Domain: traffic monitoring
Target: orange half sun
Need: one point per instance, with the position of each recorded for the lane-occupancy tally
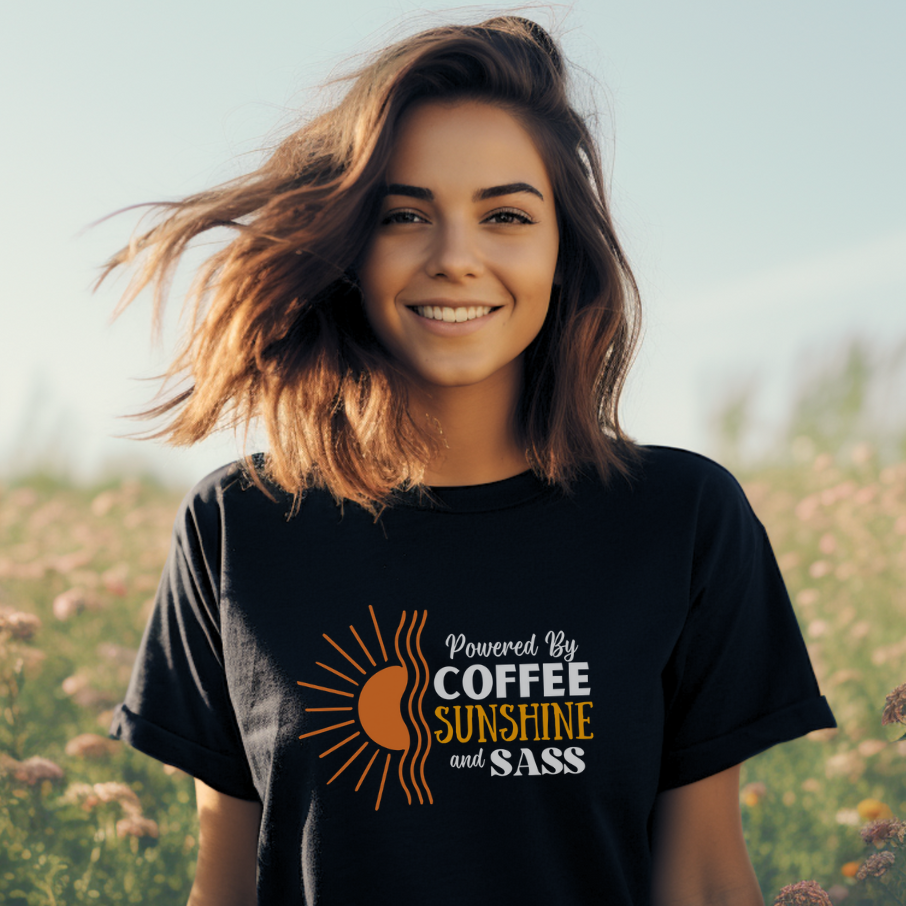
(378, 705)
(379, 708)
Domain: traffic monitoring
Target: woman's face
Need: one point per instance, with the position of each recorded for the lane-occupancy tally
(468, 224)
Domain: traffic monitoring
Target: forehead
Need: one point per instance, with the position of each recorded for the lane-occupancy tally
(472, 143)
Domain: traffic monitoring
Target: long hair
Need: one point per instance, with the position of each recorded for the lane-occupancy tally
(279, 333)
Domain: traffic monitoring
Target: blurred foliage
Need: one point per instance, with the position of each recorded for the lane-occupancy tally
(850, 394)
(85, 819)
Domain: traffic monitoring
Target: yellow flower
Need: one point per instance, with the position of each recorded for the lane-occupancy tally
(849, 869)
(872, 809)
(752, 793)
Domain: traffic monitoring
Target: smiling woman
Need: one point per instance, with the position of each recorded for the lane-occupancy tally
(285, 337)
(458, 275)
(529, 652)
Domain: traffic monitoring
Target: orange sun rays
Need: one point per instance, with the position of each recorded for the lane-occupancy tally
(380, 710)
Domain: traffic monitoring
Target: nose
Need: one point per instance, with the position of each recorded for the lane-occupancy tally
(454, 252)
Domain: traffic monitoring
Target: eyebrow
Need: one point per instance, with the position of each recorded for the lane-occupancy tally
(511, 188)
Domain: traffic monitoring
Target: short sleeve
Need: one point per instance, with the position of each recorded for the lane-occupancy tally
(739, 679)
(177, 707)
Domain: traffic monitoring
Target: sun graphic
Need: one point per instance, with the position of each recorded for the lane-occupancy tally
(377, 710)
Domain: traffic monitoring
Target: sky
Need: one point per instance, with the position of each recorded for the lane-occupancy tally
(755, 154)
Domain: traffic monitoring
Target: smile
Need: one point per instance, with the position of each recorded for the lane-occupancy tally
(449, 321)
(452, 315)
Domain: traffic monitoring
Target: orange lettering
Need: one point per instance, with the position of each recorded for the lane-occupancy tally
(560, 718)
(505, 711)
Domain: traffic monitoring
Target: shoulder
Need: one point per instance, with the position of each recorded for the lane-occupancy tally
(676, 464)
(206, 495)
(689, 490)
(691, 476)
(223, 493)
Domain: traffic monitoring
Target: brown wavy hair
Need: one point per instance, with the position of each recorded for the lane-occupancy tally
(278, 331)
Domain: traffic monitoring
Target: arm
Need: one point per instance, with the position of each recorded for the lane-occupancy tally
(228, 850)
(700, 856)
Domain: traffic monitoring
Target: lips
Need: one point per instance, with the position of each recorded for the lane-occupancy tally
(452, 314)
(451, 326)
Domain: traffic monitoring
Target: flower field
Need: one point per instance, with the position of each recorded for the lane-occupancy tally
(87, 819)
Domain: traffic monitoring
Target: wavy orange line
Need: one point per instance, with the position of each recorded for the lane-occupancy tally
(421, 714)
(396, 642)
(418, 732)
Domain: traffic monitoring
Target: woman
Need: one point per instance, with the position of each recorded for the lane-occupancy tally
(524, 658)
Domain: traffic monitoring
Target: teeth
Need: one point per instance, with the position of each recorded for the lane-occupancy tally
(453, 315)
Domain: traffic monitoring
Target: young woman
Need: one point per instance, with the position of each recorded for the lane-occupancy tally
(454, 637)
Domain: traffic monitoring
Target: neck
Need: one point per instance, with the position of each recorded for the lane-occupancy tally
(478, 423)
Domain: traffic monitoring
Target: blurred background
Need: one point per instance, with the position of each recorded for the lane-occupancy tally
(755, 153)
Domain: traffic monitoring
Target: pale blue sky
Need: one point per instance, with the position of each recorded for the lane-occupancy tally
(756, 153)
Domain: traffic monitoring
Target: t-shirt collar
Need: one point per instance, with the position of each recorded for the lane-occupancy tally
(493, 495)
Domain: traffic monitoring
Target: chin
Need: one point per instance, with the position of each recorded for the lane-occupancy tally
(462, 376)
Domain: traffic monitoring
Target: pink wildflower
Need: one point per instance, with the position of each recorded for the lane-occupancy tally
(827, 544)
(118, 654)
(7, 764)
(91, 745)
(875, 866)
(119, 792)
(67, 563)
(32, 658)
(37, 768)
(20, 625)
(803, 893)
(884, 829)
(819, 569)
(104, 502)
(74, 683)
(78, 687)
(838, 893)
(114, 579)
(870, 747)
(895, 707)
(849, 764)
(69, 603)
(81, 794)
(136, 826)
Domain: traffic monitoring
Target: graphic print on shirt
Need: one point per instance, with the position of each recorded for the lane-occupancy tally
(378, 708)
(537, 726)
(472, 719)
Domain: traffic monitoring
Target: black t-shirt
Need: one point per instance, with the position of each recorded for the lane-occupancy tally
(474, 702)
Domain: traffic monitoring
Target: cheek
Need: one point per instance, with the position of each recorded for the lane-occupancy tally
(375, 280)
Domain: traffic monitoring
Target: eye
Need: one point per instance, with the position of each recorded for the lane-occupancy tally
(511, 215)
(404, 216)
